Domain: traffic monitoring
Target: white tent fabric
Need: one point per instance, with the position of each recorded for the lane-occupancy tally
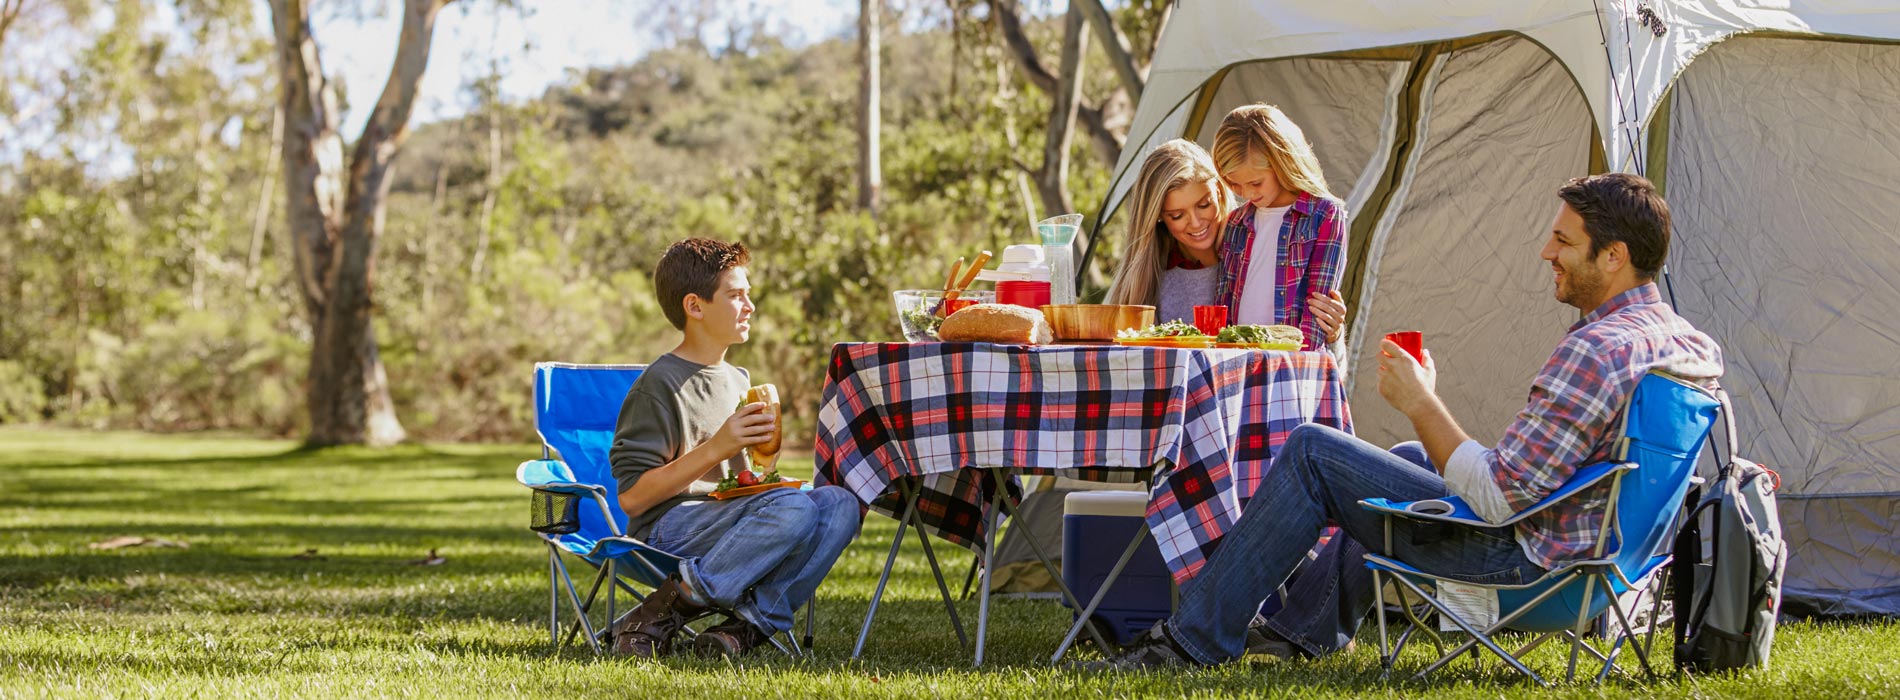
(1784, 172)
(1205, 37)
(1503, 124)
(1782, 167)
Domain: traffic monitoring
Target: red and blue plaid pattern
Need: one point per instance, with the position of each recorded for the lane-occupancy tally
(1575, 404)
(1311, 255)
(1208, 421)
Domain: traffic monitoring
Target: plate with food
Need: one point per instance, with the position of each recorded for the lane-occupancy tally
(748, 482)
(1260, 337)
(763, 456)
(1168, 334)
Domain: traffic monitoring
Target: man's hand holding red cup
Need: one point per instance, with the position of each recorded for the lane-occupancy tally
(1406, 381)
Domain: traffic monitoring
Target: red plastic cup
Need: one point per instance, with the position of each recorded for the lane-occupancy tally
(1412, 341)
(951, 306)
(1210, 319)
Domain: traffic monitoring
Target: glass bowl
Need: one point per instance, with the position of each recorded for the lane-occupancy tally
(916, 310)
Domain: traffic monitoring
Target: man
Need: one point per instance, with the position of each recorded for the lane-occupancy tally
(759, 557)
(1605, 249)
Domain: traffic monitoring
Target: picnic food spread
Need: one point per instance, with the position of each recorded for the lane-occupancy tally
(1165, 329)
(996, 323)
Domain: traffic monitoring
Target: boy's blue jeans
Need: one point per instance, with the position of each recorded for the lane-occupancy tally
(1319, 476)
(761, 556)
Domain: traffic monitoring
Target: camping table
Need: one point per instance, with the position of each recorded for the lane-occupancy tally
(920, 431)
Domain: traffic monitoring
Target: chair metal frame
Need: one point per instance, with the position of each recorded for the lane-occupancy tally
(1601, 569)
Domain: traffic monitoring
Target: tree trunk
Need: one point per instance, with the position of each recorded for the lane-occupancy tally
(1009, 22)
(870, 166)
(1052, 180)
(9, 12)
(1115, 44)
(334, 227)
(261, 222)
(491, 188)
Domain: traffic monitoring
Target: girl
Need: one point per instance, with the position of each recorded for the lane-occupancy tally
(1176, 213)
(1282, 251)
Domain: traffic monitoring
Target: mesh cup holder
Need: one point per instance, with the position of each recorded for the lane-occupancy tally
(554, 513)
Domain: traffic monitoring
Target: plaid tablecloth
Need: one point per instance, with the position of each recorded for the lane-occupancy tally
(1208, 421)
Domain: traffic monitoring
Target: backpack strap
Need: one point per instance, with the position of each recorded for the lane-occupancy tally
(1725, 464)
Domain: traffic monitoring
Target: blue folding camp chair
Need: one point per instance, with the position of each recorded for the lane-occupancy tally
(1663, 429)
(576, 508)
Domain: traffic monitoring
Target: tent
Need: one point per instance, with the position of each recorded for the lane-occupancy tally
(1446, 126)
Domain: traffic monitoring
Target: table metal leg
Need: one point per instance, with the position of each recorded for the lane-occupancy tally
(1056, 574)
(993, 520)
(943, 589)
(885, 577)
(1082, 619)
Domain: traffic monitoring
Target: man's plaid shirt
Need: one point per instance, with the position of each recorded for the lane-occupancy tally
(1575, 405)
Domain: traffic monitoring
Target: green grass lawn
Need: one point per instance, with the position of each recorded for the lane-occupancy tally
(235, 615)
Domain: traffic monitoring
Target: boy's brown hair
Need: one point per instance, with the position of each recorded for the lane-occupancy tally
(692, 266)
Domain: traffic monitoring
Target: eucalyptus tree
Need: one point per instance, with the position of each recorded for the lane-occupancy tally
(334, 206)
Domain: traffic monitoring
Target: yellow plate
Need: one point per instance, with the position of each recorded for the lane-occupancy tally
(1288, 347)
(756, 488)
(1179, 341)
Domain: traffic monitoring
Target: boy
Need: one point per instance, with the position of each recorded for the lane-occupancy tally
(758, 558)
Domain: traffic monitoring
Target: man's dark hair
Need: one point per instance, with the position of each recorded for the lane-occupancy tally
(692, 266)
(1622, 207)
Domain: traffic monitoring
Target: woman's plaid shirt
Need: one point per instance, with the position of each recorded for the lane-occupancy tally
(1310, 252)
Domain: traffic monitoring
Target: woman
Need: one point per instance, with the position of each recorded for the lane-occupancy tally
(1176, 210)
(1292, 276)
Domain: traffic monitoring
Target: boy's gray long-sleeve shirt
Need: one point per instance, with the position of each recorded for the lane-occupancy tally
(675, 406)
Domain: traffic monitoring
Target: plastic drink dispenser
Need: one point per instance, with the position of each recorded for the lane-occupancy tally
(1023, 278)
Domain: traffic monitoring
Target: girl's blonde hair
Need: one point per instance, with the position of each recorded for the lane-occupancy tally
(1264, 133)
(1171, 166)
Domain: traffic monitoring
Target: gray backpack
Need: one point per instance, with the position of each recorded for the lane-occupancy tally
(1728, 582)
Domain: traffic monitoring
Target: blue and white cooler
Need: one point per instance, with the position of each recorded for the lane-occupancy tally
(1096, 528)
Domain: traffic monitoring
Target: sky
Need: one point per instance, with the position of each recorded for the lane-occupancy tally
(535, 50)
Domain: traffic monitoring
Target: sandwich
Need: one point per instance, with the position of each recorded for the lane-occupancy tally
(765, 454)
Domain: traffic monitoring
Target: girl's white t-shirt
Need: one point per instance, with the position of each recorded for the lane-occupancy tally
(1256, 300)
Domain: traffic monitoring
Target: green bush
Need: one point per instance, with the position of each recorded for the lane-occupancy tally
(22, 395)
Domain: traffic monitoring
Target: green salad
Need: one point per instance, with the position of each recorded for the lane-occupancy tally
(923, 320)
(1170, 329)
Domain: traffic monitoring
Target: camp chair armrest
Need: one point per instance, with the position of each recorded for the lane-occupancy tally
(553, 475)
(1462, 514)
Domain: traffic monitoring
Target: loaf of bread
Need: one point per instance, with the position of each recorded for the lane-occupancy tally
(996, 323)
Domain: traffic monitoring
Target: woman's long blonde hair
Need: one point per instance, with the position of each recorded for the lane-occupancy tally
(1171, 166)
(1267, 134)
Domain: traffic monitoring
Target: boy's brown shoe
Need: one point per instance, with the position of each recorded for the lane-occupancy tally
(730, 639)
(647, 631)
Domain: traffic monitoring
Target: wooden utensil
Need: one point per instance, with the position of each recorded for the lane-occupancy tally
(950, 282)
(969, 275)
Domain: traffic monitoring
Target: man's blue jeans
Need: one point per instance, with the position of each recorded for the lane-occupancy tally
(1322, 608)
(761, 556)
(1319, 476)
